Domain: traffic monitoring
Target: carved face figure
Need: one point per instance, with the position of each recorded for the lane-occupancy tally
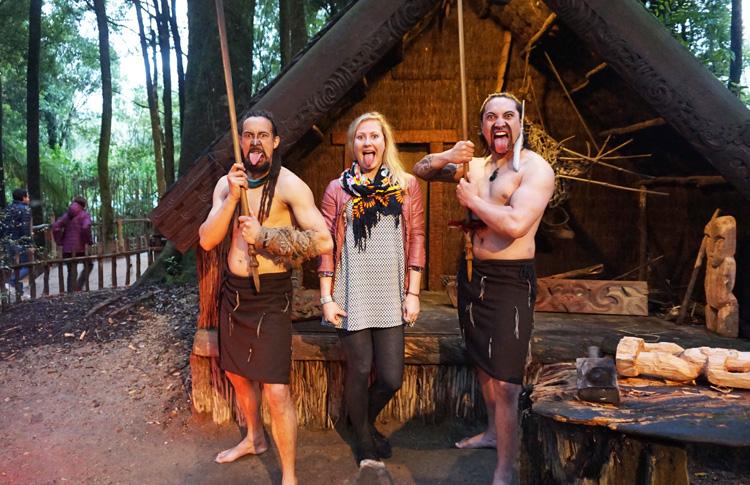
(722, 239)
(369, 146)
(257, 144)
(501, 124)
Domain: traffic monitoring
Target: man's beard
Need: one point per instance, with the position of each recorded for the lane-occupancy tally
(259, 169)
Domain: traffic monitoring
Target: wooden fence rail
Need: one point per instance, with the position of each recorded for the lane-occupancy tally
(70, 266)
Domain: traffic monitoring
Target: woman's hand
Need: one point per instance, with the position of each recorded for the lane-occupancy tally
(410, 308)
(332, 313)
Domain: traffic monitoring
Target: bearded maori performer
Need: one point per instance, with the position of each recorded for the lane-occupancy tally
(255, 323)
(507, 191)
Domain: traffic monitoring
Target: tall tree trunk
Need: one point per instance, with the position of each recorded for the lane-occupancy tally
(206, 112)
(32, 111)
(2, 150)
(735, 67)
(102, 159)
(153, 107)
(178, 55)
(162, 23)
(292, 28)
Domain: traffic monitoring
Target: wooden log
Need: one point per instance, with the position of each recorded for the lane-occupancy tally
(592, 296)
(721, 371)
(642, 125)
(635, 358)
(555, 452)
(502, 65)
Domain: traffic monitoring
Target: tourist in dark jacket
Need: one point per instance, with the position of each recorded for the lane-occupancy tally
(72, 231)
(16, 232)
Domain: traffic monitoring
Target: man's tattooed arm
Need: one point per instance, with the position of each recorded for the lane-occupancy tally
(429, 169)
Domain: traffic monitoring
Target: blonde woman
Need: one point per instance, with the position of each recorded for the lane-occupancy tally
(369, 285)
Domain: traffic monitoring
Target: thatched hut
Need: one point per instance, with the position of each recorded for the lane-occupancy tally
(594, 74)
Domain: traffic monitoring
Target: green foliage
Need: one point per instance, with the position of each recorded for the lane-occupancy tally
(700, 25)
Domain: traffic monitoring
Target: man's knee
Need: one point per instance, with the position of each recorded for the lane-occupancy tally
(506, 391)
(277, 394)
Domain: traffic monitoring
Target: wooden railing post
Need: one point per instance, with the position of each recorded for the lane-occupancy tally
(31, 253)
(128, 263)
(45, 280)
(114, 270)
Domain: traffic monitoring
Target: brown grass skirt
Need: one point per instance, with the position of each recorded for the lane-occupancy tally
(496, 312)
(255, 329)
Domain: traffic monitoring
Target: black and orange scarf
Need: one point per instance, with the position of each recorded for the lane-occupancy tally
(370, 200)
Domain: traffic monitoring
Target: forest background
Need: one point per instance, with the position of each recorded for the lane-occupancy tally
(112, 100)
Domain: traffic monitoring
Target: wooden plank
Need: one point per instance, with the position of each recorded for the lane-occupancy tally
(113, 261)
(592, 296)
(416, 137)
(60, 279)
(45, 280)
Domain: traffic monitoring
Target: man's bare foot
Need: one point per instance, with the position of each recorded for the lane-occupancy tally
(247, 446)
(482, 440)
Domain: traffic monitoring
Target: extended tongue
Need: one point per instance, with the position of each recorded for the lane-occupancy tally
(501, 144)
(368, 157)
(255, 157)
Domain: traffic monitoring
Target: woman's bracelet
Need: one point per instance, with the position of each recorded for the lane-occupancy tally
(414, 294)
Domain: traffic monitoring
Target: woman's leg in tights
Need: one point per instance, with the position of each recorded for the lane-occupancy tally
(358, 351)
(388, 350)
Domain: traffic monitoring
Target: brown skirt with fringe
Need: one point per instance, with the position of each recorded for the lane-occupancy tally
(496, 313)
(255, 329)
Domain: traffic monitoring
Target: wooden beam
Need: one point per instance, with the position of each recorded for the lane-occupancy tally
(417, 137)
(634, 127)
(535, 38)
(693, 180)
(502, 66)
(588, 76)
(592, 296)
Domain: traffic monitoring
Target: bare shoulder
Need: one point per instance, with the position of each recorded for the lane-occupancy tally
(222, 185)
(290, 186)
(536, 166)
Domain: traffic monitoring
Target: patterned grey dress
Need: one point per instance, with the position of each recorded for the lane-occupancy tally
(369, 284)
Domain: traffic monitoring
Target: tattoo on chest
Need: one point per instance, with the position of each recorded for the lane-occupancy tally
(493, 175)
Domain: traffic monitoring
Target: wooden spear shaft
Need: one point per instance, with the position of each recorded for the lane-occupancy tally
(252, 261)
(468, 250)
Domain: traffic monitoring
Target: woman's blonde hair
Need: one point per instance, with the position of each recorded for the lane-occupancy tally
(391, 157)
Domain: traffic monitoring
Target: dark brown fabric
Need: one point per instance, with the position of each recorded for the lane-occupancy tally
(255, 329)
(496, 312)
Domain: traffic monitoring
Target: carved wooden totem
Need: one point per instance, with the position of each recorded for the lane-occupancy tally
(722, 312)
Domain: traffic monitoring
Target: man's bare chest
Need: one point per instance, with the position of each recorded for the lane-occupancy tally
(498, 186)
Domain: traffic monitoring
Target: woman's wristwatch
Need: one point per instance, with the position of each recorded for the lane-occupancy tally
(325, 299)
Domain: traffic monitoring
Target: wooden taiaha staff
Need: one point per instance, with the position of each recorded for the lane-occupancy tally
(468, 249)
(252, 260)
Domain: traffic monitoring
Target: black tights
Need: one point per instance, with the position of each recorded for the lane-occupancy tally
(386, 346)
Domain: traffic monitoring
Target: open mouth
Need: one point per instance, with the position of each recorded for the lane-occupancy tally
(368, 157)
(256, 155)
(501, 139)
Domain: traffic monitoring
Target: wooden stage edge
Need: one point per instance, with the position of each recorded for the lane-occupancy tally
(557, 337)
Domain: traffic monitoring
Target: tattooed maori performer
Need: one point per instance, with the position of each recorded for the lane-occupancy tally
(255, 326)
(507, 194)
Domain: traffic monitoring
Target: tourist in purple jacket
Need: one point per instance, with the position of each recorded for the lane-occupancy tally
(72, 231)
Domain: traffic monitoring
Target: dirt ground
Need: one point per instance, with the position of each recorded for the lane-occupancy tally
(93, 389)
(102, 399)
